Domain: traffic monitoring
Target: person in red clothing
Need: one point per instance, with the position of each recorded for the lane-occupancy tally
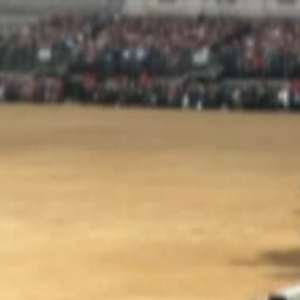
(295, 86)
(89, 80)
(145, 81)
(259, 61)
(89, 85)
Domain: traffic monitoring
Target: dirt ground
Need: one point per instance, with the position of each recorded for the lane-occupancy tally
(147, 205)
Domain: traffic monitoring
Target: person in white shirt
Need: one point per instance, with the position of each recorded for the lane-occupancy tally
(284, 97)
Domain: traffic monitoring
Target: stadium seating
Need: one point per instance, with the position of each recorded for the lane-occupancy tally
(109, 57)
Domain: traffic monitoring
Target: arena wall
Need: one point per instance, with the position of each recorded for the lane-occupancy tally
(14, 13)
(164, 7)
(252, 8)
(55, 6)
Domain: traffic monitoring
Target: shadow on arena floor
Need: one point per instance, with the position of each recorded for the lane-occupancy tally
(286, 261)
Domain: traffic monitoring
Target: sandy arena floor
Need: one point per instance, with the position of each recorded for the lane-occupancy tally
(143, 205)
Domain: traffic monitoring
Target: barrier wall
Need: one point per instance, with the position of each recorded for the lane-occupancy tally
(251, 8)
(164, 7)
(56, 6)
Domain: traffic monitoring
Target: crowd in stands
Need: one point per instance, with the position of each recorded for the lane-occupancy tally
(122, 92)
(114, 45)
(269, 49)
(113, 59)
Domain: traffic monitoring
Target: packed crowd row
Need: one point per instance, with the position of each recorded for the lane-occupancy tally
(115, 44)
(148, 93)
(269, 49)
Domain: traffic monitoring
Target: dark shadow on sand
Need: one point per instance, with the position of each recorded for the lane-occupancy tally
(286, 261)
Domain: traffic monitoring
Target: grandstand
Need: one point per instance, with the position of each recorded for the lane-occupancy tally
(141, 45)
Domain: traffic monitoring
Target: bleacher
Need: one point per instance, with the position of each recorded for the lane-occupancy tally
(134, 47)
